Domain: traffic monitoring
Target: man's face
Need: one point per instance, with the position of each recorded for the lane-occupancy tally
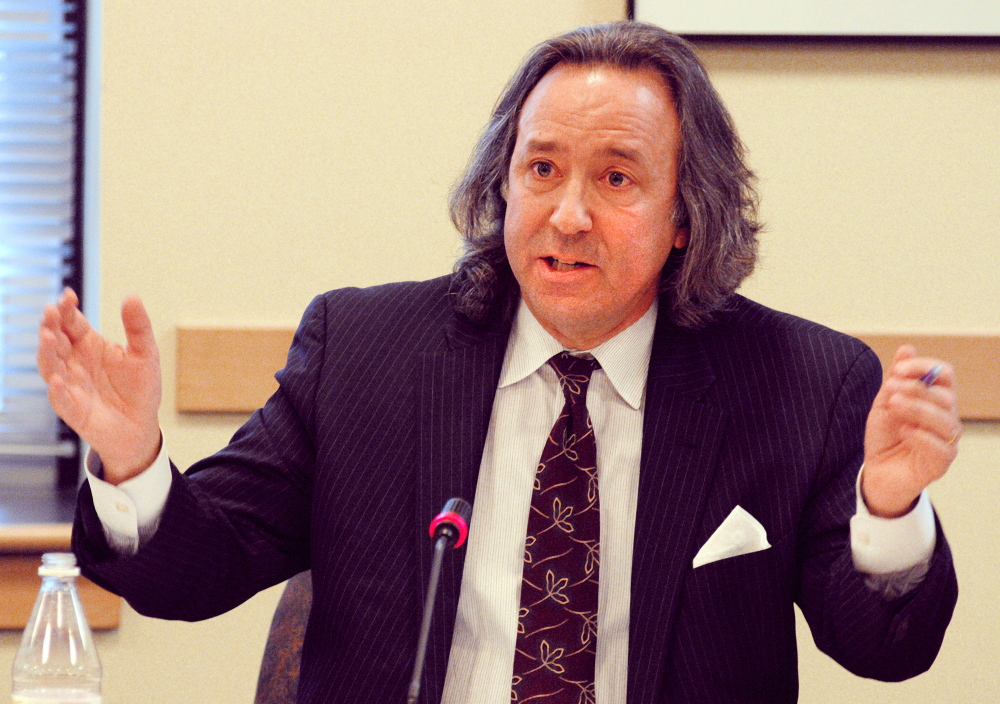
(590, 196)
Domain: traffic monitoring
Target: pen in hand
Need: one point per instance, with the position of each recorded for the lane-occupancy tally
(932, 374)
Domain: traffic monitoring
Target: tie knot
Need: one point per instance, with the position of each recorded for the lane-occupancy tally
(574, 375)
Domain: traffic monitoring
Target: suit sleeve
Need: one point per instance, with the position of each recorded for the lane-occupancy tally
(236, 522)
(870, 634)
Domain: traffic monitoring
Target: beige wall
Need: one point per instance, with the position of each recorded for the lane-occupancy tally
(255, 154)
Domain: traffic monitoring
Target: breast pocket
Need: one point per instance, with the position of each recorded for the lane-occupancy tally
(736, 623)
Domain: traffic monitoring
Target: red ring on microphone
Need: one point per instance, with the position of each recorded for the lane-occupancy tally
(454, 519)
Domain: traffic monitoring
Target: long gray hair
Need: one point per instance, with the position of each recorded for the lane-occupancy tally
(716, 199)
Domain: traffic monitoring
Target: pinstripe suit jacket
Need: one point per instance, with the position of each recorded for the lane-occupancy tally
(381, 415)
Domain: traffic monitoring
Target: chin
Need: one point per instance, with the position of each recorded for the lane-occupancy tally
(572, 323)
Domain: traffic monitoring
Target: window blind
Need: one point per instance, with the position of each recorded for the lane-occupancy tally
(39, 209)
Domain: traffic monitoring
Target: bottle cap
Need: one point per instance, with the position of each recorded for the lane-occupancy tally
(59, 564)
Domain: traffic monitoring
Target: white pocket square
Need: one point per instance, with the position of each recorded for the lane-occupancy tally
(739, 534)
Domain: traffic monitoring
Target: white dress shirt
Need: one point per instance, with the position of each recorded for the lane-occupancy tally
(528, 400)
(527, 403)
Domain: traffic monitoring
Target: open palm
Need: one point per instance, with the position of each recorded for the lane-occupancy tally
(107, 393)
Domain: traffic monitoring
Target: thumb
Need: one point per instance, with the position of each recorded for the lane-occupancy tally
(138, 328)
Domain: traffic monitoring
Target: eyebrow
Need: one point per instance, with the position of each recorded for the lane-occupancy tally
(537, 145)
(633, 155)
(548, 147)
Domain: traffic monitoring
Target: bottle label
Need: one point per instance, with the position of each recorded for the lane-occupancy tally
(57, 698)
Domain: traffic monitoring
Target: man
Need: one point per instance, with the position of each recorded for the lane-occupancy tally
(607, 212)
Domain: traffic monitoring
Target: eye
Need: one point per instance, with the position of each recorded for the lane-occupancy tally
(542, 168)
(617, 179)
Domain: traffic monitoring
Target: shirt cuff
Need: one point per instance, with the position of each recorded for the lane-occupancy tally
(887, 545)
(130, 511)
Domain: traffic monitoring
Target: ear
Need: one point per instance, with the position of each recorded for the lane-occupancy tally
(504, 189)
(681, 238)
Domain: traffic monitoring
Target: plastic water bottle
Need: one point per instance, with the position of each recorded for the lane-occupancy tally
(57, 662)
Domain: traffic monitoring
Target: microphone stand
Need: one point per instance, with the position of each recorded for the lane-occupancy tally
(449, 528)
(418, 667)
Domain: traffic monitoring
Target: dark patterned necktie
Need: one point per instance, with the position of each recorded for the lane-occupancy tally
(557, 622)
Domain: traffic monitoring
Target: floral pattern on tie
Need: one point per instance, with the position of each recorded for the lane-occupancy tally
(557, 620)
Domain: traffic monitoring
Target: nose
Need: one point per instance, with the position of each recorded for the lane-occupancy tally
(571, 214)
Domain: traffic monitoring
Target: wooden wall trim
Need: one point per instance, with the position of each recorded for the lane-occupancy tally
(976, 359)
(232, 369)
(21, 548)
(228, 370)
(16, 539)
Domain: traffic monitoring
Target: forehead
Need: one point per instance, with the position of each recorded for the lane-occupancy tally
(577, 103)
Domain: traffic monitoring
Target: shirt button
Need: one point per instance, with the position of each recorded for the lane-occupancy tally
(864, 539)
(123, 507)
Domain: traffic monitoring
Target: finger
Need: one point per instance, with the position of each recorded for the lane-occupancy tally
(55, 326)
(54, 346)
(138, 328)
(68, 406)
(932, 449)
(940, 399)
(903, 353)
(72, 321)
(51, 317)
(69, 299)
(890, 385)
(918, 367)
(52, 321)
(48, 355)
(59, 397)
(58, 393)
(909, 411)
(942, 396)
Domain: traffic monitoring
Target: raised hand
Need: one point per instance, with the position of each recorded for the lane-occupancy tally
(912, 434)
(108, 394)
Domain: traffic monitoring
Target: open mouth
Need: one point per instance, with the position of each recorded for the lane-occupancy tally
(563, 265)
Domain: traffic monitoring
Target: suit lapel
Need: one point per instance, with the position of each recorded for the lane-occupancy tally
(455, 391)
(681, 437)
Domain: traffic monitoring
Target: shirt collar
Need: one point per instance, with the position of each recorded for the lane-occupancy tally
(624, 358)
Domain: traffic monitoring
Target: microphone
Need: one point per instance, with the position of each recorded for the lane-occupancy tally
(452, 522)
(449, 529)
